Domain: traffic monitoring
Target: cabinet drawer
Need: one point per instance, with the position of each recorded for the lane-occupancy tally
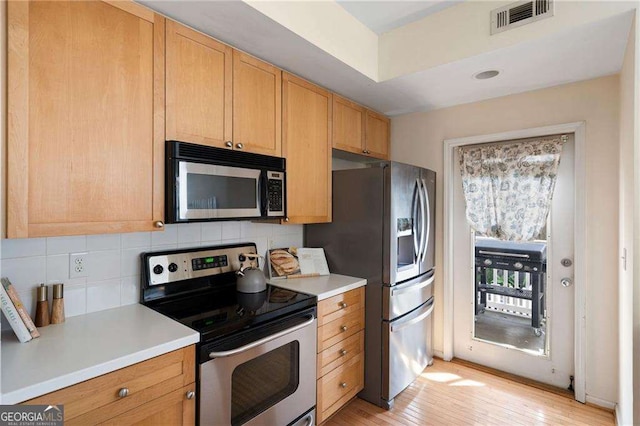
(338, 306)
(340, 353)
(337, 330)
(98, 400)
(339, 386)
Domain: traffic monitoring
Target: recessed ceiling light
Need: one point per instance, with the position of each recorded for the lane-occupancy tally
(484, 75)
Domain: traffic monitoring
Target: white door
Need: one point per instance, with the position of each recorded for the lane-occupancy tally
(555, 364)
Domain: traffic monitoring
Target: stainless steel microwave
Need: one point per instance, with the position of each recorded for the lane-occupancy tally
(204, 183)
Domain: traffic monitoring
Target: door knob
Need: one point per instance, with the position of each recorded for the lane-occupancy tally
(158, 224)
(228, 144)
(190, 394)
(239, 146)
(566, 262)
(566, 282)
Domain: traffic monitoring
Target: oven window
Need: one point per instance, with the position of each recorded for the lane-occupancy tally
(213, 192)
(264, 381)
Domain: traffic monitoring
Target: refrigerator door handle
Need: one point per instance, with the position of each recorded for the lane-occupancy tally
(402, 324)
(399, 289)
(422, 222)
(426, 222)
(416, 206)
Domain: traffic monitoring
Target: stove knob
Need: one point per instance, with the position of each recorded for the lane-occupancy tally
(173, 267)
(158, 269)
(488, 262)
(518, 265)
(242, 258)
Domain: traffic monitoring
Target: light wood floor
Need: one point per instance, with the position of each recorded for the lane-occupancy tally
(453, 394)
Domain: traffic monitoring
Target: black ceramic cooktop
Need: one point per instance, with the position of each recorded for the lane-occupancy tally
(220, 312)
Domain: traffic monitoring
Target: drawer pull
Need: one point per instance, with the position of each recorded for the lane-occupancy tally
(343, 385)
(123, 392)
(343, 352)
(343, 305)
(343, 328)
(191, 394)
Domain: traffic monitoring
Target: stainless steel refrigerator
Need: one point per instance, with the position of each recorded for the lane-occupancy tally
(383, 230)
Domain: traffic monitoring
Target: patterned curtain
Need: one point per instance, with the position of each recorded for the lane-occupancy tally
(508, 186)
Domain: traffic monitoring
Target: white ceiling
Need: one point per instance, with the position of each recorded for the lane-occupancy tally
(584, 52)
(383, 16)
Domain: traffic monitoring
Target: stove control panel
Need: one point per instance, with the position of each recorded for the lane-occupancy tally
(178, 265)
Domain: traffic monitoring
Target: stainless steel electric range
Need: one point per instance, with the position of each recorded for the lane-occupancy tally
(256, 356)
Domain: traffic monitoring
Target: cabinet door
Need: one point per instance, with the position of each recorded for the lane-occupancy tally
(348, 125)
(306, 145)
(86, 118)
(257, 105)
(199, 90)
(377, 135)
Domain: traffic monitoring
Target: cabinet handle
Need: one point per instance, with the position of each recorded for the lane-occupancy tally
(286, 219)
(158, 224)
(228, 144)
(343, 305)
(343, 352)
(191, 394)
(343, 385)
(239, 145)
(368, 152)
(123, 392)
(364, 151)
(343, 328)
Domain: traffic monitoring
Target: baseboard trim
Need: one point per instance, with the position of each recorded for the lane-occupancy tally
(515, 378)
(617, 415)
(602, 403)
(438, 354)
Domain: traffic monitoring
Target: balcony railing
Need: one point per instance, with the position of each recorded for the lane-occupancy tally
(506, 304)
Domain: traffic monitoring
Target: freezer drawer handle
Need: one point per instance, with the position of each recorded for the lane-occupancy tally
(412, 287)
(398, 327)
(262, 341)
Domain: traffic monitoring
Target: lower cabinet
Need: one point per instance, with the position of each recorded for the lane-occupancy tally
(158, 391)
(340, 361)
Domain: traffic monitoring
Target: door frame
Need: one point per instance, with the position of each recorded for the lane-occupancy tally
(578, 129)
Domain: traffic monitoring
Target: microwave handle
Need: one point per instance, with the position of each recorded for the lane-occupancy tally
(263, 196)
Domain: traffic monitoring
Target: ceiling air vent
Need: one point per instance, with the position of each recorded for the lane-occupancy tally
(520, 13)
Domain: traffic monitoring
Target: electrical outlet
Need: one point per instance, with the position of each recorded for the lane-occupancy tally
(78, 265)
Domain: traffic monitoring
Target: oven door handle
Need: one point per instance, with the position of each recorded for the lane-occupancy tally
(263, 340)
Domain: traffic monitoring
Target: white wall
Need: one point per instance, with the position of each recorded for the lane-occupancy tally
(330, 27)
(625, 296)
(114, 259)
(418, 139)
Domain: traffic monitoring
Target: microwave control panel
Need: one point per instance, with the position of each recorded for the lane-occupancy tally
(275, 193)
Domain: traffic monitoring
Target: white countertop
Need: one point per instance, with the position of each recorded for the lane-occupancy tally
(324, 286)
(85, 347)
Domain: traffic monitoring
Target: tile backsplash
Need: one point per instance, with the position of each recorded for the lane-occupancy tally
(113, 260)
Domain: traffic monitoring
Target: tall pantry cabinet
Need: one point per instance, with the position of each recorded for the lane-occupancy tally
(86, 118)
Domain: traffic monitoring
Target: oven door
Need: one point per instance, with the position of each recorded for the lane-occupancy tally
(268, 381)
(208, 191)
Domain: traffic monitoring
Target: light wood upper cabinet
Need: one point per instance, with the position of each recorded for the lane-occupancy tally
(306, 145)
(257, 105)
(86, 118)
(348, 125)
(359, 130)
(199, 87)
(377, 135)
